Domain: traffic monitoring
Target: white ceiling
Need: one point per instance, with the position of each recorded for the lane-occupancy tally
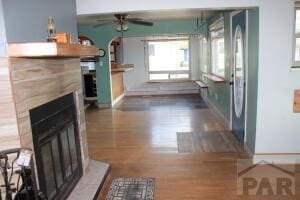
(150, 15)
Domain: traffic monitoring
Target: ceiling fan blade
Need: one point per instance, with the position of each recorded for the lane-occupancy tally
(143, 23)
(104, 20)
(103, 24)
(134, 19)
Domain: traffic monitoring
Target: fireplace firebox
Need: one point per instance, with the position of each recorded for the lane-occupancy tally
(56, 146)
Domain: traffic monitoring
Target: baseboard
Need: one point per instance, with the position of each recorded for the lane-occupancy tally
(224, 120)
(160, 92)
(277, 158)
(104, 105)
(118, 99)
(248, 151)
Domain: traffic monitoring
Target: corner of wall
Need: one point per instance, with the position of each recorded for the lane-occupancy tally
(3, 40)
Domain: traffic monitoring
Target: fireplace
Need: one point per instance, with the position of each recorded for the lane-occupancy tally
(56, 145)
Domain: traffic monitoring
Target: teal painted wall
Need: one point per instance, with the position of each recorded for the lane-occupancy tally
(253, 44)
(219, 93)
(102, 37)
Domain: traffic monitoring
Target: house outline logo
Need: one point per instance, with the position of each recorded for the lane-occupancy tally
(266, 179)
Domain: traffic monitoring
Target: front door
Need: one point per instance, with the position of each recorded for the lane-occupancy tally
(238, 73)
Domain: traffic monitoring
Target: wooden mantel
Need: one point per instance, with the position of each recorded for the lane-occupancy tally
(51, 50)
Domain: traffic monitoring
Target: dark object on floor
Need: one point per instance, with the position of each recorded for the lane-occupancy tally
(131, 189)
(162, 103)
(16, 176)
(89, 85)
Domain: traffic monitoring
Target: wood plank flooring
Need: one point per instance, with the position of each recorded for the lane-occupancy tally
(208, 141)
(139, 139)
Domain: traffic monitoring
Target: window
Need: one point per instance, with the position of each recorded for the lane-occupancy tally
(217, 48)
(168, 60)
(296, 56)
(203, 55)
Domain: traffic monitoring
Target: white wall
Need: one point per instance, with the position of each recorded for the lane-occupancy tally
(277, 126)
(134, 54)
(136, 80)
(2, 32)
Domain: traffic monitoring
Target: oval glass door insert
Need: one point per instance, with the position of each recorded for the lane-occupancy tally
(239, 72)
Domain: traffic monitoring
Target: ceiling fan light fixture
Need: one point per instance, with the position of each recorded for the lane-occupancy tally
(122, 26)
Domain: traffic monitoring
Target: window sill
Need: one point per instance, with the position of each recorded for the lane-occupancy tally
(201, 84)
(169, 81)
(295, 69)
(214, 78)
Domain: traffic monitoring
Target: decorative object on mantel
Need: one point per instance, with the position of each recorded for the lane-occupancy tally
(51, 30)
(63, 38)
(131, 188)
(297, 101)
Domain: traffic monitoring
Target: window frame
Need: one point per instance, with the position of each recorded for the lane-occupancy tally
(171, 72)
(295, 63)
(201, 54)
(212, 26)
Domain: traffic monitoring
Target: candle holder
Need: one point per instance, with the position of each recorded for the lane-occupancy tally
(51, 30)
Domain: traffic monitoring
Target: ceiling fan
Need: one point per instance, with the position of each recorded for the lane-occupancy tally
(122, 21)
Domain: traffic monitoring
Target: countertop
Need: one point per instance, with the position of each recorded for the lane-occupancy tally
(122, 69)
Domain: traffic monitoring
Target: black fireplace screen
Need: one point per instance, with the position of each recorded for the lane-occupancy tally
(56, 146)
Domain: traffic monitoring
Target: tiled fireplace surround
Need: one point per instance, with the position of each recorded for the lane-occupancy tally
(27, 83)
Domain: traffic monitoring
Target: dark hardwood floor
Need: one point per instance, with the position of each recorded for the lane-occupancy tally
(140, 138)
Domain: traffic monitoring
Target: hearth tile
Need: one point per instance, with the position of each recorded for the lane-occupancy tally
(88, 185)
